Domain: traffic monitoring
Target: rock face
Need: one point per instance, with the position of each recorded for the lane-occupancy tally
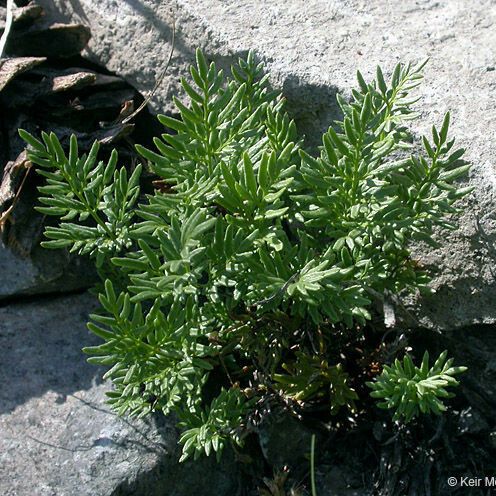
(57, 437)
(312, 53)
(42, 272)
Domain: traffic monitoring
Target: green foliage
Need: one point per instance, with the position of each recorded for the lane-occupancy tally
(219, 282)
(221, 422)
(412, 390)
(310, 376)
(371, 198)
(82, 188)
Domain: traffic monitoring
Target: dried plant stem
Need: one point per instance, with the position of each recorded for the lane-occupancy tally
(8, 25)
(4, 217)
(312, 466)
(160, 78)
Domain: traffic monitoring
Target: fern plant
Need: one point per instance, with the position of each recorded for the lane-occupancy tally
(217, 285)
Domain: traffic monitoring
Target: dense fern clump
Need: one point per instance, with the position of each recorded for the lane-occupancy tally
(252, 255)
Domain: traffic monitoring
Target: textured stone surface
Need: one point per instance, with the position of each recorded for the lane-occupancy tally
(57, 436)
(41, 272)
(312, 49)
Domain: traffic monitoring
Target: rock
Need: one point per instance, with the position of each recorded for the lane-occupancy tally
(336, 480)
(41, 271)
(57, 40)
(25, 267)
(23, 93)
(21, 16)
(58, 438)
(28, 14)
(472, 421)
(284, 440)
(13, 176)
(473, 347)
(10, 68)
(314, 52)
(75, 81)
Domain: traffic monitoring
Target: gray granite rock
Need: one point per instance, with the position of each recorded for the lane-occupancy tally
(42, 271)
(312, 50)
(57, 436)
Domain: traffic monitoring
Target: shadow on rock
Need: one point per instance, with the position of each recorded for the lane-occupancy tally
(41, 343)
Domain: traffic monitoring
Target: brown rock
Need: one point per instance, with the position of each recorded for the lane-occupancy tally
(72, 81)
(11, 68)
